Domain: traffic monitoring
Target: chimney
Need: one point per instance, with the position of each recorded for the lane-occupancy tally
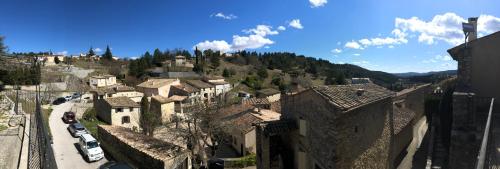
(473, 35)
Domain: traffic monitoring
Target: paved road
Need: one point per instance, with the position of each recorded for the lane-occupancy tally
(410, 160)
(66, 153)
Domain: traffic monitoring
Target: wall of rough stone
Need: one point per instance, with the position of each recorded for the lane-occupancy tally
(414, 99)
(360, 138)
(122, 151)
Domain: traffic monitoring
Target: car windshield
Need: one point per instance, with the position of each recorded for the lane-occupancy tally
(92, 144)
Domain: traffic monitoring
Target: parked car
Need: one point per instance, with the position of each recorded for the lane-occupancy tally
(90, 148)
(69, 117)
(115, 165)
(77, 129)
(59, 101)
(76, 95)
(68, 98)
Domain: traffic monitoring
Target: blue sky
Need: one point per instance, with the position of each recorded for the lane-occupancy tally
(386, 35)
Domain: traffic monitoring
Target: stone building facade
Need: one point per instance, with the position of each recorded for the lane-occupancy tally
(344, 126)
(478, 82)
(119, 111)
(141, 151)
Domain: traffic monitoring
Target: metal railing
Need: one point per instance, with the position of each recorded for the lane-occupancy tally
(40, 153)
(482, 155)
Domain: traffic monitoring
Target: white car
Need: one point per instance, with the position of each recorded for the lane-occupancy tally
(90, 148)
(68, 98)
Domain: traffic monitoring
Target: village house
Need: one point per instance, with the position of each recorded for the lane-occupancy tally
(207, 90)
(116, 91)
(272, 95)
(119, 111)
(193, 95)
(162, 106)
(221, 86)
(161, 87)
(242, 130)
(477, 83)
(343, 126)
(102, 81)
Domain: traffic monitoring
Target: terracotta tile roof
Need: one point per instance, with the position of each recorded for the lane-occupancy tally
(245, 120)
(256, 101)
(156, 83)
(354, 95)
(402, 118)
(161, 99)
(271, 128)
(177, 98)
(219, 83)
(186, 87)
(121, 102)
(199, 84)
(102, 76)
(213, 78)
(154, 147)
(113, 89)
(267, 92)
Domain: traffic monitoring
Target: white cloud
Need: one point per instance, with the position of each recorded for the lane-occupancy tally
(317, 3)
(257, 38)
(62, 53)
(390, 46)
(281, 28)
(217, 45)
(399, 38)
(446, 27)
(296, 24)
(262, 30)
(356, 54)
(250, 42)
(353, 45)
(223, 16)
(336, 51)
(97, 50)
(439, 58)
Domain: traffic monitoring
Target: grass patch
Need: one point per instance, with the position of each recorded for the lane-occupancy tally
(249, 160)
(90, 121)
(3, 127)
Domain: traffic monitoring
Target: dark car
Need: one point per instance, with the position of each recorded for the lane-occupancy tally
(77, 129)
(115, 165)
(69, 117)
(59, 101)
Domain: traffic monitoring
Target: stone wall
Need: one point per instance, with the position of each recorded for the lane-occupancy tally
(142, 151)
(414, 99)
(359, 138)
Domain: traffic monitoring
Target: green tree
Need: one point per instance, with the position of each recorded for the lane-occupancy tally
(226, 73)
(148, 120)
(149, 59)
(91, 52)
(157, 57)
(56, 60)
(107, 54)
(340, 79)
(3, 48)
(262, 72)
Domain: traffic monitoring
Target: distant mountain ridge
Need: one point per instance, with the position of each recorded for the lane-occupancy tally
(412, 74)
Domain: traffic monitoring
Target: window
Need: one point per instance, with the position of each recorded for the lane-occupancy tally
(119, 109)
(125, 119)
(131, 109)
(302, 127)
(110, 95)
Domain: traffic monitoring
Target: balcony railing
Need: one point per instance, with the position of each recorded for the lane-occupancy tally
(486, 143)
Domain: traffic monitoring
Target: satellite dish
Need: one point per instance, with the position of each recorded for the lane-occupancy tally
(468, 28)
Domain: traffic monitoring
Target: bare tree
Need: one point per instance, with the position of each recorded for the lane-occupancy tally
(77, 85)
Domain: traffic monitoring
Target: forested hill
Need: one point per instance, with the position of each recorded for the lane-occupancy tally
(292, 63)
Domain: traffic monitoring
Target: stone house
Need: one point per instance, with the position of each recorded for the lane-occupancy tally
(243, 132)
(477, 82)
(116, 91)
(119, 111)
(221, 86)
(162, 106)
(193, 95)
(343, 126)
(207, 90)
(270, 94)
(102, 81)
(161, 87)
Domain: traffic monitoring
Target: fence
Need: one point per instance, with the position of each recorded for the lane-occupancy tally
(40, 153)
(488, 156)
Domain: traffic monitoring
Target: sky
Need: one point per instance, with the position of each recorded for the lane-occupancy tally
(386, 35)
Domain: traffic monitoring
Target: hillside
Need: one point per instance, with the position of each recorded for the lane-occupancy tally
(410, 74)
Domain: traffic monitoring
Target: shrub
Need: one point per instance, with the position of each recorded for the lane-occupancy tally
(89, 115)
